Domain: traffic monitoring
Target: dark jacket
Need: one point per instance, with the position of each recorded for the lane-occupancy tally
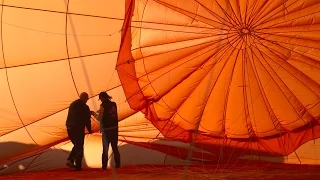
(79, 115)
(110, 115)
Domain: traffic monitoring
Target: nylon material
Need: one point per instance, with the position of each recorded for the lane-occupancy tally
(157, 8)
(173, 100)
(139, 132)
(133, 94)
(206, 8)
(216, 79)
(89, 73)
(305, 59)
(246, 10)
(213, 119)
(109, 8)
(105, 37)
(293, 42)
(273, 87)
(172, 55)
(137, 20)
(144, 127)
(307, 22)
(172, 74)
(16, 167)
(144, 134)
(270, 9)
(192, 109)
(172, 131)
(136, 36)
(300, 88)
(21, 34)
(136, 119)
(54, 157)
(233, 12)
(309, 70)
(178, 45)
(13, 143)
(237, 9)
(304, 16)
(256, 9)
(2, 61)
(50, 129)
(151, 63)
(301, 53)
(309, 53)
(298, 5)
(166, 108)
(183, 26)
(307, 151)
(263, 120)
(38, 4)
(237, 121)
(159, 34)
(303, 32)
(295, 84)
(212, 21)
(9, 119)
(138, 9)
(35, 100)
(124, 110)
(269, 146)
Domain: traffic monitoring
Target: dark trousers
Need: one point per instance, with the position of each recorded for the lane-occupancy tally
(110, 137)
(76, 136)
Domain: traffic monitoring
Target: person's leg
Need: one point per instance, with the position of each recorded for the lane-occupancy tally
(114, 145)
(79, 149)
(105, 150)
(70, 160)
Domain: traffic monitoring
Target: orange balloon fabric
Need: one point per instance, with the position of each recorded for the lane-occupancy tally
(225, 73)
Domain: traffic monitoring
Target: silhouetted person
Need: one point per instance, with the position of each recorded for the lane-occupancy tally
(108, 117)
(78, 118)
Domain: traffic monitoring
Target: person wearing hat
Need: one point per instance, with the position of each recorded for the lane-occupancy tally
(108, 117)
(79, 117)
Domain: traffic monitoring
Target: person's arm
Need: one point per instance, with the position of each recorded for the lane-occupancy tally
(88, 120)
(100, 114)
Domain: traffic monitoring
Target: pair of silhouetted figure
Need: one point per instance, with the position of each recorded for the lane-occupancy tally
(79, 116)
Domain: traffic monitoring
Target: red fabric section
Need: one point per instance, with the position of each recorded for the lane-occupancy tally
(125, 63)
(164, 172)
(280, 145)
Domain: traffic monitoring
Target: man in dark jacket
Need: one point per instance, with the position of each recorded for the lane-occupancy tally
(108, 117)
(79, 116)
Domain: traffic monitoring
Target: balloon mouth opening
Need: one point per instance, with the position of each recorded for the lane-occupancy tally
(245, 31)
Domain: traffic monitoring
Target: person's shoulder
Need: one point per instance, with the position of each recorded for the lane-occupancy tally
(74, 102)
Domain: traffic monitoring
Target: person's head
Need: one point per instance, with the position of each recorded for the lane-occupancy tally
(84, 97)
(103, 96)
